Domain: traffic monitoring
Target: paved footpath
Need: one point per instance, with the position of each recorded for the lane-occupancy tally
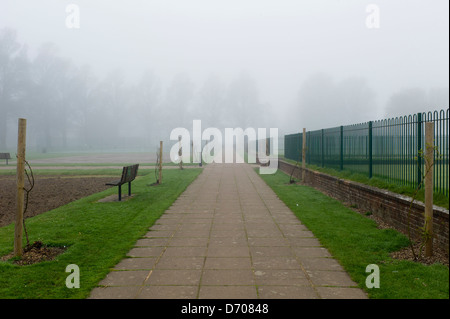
(228, 236)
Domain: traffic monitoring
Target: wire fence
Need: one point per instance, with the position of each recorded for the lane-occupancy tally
(389, 149)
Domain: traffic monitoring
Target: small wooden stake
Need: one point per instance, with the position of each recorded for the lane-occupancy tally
(304, 155)
(160, 161)
(429, 161)
(180, 152)
(21, 146)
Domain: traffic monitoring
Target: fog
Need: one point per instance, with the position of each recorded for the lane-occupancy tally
(113, 74)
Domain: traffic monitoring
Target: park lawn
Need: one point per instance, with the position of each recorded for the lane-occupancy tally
(80, 165)
(355, 241)
(98, 236)
(74, 172)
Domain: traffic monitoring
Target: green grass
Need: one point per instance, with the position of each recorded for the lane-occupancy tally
(113, 172)
(80, 165)
(12, 165)
(79, 171)
(34, 155)
(105, 164)
(438, 199)
(355, 241)
(98, 236)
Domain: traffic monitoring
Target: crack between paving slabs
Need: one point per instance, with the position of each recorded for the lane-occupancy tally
(290, 246)
(156, 262)
(207, 248)
(246, 237)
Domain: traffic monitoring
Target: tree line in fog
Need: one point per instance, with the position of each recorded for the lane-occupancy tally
(69, 106)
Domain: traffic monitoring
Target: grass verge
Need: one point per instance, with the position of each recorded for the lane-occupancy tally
(80, 172)
(98, 236)
(438, 198)
(355, 241)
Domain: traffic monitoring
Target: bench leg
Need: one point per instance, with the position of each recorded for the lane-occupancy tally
(120, 193)
(129, 188)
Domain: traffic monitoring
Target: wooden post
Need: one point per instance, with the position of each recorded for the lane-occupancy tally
(304, 155)
(21, 146)
(180, 152)
(160, 161)
(429, 161)
(201, 155)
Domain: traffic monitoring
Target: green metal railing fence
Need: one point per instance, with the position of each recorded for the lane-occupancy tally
(389, 149)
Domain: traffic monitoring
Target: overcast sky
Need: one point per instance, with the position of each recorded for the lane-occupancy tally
(279, 42)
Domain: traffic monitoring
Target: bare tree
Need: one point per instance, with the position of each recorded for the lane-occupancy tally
(242, 105)
(50, 81)
(146, 105)
(82, 84)
(108, 110)
(13, 78)
(406, 101)
(209, 106)
(323, 103)
(178, 100)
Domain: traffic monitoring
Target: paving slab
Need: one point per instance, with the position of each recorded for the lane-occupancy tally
(228, 236)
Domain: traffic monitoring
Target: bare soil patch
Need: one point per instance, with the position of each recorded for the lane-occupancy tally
(49, 192)
(439, 256)
(35, 253)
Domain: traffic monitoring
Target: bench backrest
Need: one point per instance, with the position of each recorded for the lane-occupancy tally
(129, 173)
(5, 156)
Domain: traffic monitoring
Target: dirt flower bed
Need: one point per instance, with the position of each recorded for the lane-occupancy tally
(48, 193)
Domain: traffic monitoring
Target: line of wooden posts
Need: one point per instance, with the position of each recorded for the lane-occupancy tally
(20, 174)
(429, 163)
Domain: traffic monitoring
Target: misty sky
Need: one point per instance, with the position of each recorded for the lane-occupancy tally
(280, 43)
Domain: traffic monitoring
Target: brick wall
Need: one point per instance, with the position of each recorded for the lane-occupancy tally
(390, 207)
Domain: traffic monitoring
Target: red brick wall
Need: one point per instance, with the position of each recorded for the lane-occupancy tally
(390, 207)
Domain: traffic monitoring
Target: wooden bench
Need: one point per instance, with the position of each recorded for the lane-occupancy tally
(5, 156)
(128, 175)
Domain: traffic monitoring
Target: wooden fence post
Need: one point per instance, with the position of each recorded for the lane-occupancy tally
(180, 152)
(160, 161)
(341, 148)
(429, 161)
(21, 147)
(304, 155)
(370, 149)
